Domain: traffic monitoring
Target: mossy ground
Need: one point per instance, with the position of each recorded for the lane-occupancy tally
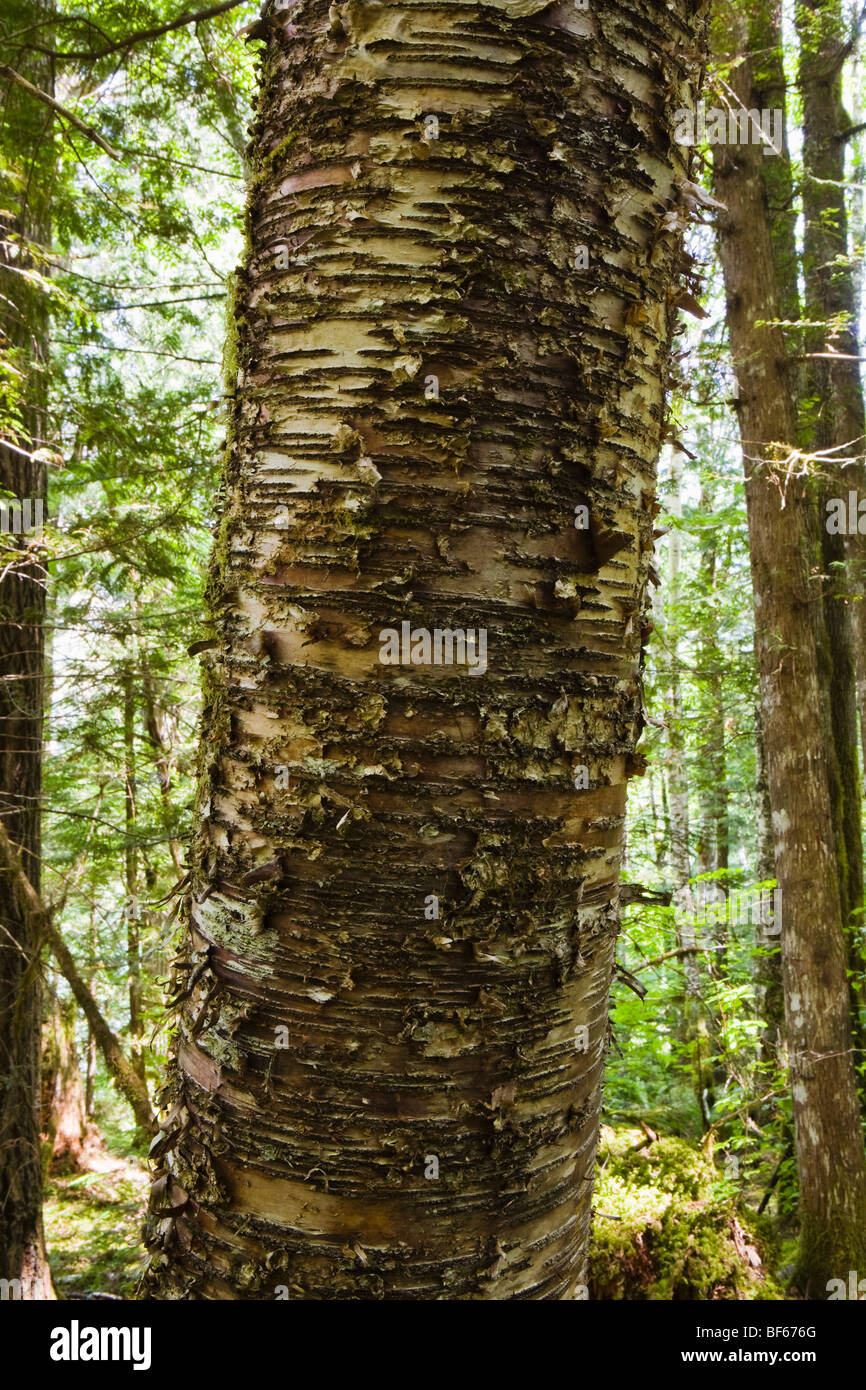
(666, 1228)
(93, 1227)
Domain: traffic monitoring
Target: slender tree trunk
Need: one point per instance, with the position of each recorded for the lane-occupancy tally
(90, 1074)
(158, 727)
(714, 796)
(830, 1158)
(28, 147)
(132, 910)
(90, 1056)
(769, 996)
(64, 1122)
(659, 826)
(693, 1032)
(123, 1074)
(678, 788)
(39, 922)
(452, 332)
(716, 751)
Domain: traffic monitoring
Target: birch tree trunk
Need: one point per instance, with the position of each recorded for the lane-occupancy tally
(830, 1159)
(453, 332)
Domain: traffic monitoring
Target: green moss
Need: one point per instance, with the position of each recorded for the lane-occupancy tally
(93, 1231)
(282, 147)
(230, 338)
(662, 1232)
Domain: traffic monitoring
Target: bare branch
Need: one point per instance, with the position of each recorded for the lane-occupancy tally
(143, 35)
(668, 955)
(128, 1082)
(70, 116)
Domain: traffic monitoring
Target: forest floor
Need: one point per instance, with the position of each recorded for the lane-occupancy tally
(93, 1224)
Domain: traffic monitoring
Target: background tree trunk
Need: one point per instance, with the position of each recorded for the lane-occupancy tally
(132, 906)
(769, 996)
(452, 330)
(830, 1158)
(693, 1030)
(25, 231)
(64, 1122)
(838, 431)
(122, 1073)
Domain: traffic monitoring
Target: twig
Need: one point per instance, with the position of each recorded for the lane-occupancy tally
(142, 35)
(669, 955)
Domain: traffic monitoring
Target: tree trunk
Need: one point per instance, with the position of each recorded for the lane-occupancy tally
(658, 830)
(714, 796)
(90, 1056)
(39, 923)
(809, 383)
(159, 723)
(452, 342)
(24, 230)
(717, 830)
(123, 1074)
(838, 431)
(132, 909)
(64, 1122)
(830, 1158)
(693, 1031)
(769, 995)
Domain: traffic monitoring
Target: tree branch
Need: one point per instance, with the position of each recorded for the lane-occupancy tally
(127, 1081)
(668, 955)
(850, 132)
(70, 116)
(143, 35)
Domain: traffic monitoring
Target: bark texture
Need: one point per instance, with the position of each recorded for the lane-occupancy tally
(830, 1158)
(24, 232)
(401, 876)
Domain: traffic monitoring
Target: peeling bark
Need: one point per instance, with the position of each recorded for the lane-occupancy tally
(429, 377)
